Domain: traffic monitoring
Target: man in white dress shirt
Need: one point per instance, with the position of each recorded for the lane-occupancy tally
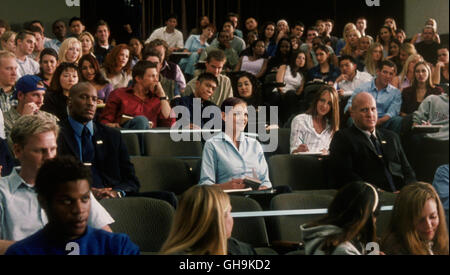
(351, 78)
(172, 36)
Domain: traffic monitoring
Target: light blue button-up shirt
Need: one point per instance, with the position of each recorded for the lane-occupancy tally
(20, 212)
(222, 161)
(389, 99)
(78, 129)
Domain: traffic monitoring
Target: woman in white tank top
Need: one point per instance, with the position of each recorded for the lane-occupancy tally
(292, 74)
(255, 64)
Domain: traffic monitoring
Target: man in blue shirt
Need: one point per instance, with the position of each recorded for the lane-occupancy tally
(63, 190)
(388, 98)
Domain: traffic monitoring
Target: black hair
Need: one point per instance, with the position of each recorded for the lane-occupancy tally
(141, 67)
(207, 76)
(22, 34)
(170, 16)
(57, 21)
(256, 97)
(33, 29)
(55, 85)
(58, 171)
(263, 31)
(73, 19)
(231, 102)
(298, 23)
(347, 57)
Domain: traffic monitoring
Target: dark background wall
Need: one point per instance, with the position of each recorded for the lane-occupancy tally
(120, 12)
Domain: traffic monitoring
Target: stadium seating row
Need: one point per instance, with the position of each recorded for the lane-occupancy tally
(147, 221)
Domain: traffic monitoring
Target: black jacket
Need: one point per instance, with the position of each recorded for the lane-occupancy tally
(354, 158)
(112, 166)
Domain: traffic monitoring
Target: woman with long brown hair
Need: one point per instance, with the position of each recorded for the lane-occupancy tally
(313, 131)
(349, 224)
(421, 87)
(417, 224)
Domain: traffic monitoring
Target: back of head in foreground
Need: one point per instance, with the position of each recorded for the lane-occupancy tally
(353, 210)
(202, 223)
(417, 225)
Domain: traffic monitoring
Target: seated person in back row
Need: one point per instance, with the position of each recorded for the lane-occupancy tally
(388, 98)
(198, 101)
(63, 188)
(145, 102)
(214, 65)
(230, 156)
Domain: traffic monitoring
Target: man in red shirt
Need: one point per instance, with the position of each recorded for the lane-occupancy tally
(141, 107)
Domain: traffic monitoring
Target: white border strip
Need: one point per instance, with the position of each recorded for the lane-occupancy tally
(289, 212)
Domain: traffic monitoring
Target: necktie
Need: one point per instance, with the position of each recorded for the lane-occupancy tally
(380, 155)
(87, 147)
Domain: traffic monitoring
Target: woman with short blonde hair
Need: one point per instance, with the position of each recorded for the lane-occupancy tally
(87, 43)
(70, 51)
(202, 223)
(417, 224)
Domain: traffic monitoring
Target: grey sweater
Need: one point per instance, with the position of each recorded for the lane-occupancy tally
(313, 238)
(434, 109)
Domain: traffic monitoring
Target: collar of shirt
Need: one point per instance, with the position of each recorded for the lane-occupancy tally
(388, 89)
(10, 93)
(16, 181)
(367, 133)
(228, 139)
(78, 127)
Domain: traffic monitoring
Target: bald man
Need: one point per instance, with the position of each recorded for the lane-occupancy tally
(365, 153)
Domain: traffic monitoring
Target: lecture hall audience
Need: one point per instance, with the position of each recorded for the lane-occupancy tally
(138, 82)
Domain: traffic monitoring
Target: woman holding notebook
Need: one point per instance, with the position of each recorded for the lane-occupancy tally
(230, 157)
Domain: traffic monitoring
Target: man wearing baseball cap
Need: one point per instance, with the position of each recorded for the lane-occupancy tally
(30, 94)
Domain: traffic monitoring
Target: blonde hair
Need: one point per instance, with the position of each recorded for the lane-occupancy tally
(7, 35)
(199, 223)
(6, 54)
(348, 27)
(410, 59)
(371, 65)
(409, 48)
(406, 214)
(29, 125)
(347, 50)
(89, 35)
(65, 47)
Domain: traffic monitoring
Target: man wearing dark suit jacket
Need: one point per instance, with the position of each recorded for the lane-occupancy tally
(363, 152)
(96, 145)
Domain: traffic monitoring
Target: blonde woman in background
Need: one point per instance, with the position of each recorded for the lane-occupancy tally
(87, 43)
(202, 223)
(70, 51)
(430, 22)
(8, 41)
(417, 224)
(406, 77)
(373, 58)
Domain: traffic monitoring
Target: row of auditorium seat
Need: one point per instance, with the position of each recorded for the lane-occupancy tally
(177, 175)
(147, 221)
(161, 144)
